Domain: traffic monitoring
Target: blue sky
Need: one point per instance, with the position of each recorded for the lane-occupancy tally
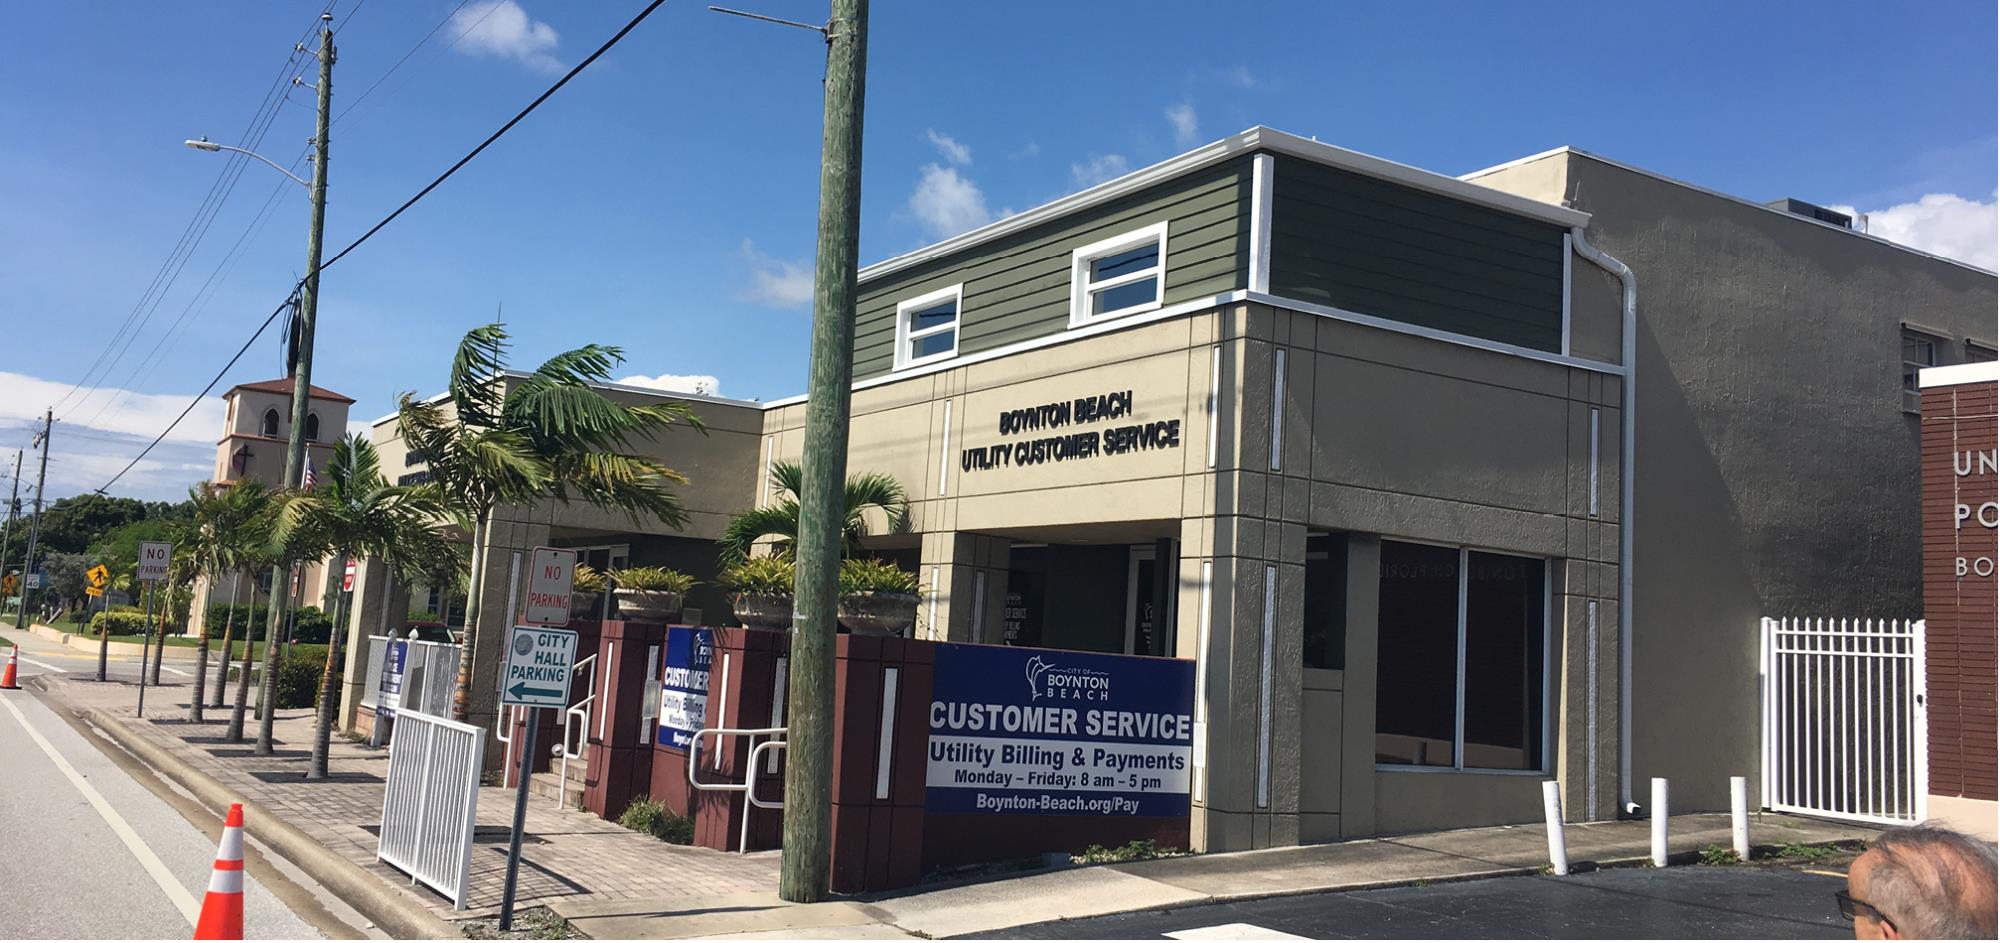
(665, 201)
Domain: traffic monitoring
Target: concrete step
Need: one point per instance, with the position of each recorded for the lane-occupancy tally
(545, 786)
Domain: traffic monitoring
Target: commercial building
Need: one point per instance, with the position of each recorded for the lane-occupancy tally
(1448, 486)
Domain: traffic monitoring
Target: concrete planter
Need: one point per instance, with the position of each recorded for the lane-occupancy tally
(584, 605)
(873, 613)
(763, 610)
(648, 605)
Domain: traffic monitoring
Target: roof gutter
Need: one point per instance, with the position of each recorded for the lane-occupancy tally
(1627, 399)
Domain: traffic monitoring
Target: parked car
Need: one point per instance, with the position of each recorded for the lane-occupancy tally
(430, 632)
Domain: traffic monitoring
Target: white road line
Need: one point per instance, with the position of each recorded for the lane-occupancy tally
(1232, 931)
(45, 666)
(177, 894)
(184, 674)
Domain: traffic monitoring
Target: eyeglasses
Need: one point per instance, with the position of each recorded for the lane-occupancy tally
(1848, 904)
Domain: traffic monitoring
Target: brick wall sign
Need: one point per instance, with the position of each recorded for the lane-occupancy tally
(1044, 732)
(683, 704)
(1961, 509)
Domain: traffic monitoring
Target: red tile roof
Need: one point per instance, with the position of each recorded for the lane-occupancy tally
(284, 385)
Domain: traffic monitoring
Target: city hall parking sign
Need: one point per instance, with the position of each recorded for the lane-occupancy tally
(1044, 732)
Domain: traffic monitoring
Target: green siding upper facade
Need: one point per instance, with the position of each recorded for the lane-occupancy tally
(1338, 238)
(1372, 247)
(1018, 287)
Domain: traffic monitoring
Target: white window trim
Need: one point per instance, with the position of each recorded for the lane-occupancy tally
(1081, 287)
(1548, 653)
(956, 293)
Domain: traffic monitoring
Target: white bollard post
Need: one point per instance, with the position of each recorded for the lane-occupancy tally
(1659, 811)
(1552, 814)
(1739, 816)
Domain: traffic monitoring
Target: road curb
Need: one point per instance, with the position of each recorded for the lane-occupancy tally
(393, 911)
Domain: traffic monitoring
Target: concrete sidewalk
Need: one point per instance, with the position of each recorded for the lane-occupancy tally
(566, 855)
(1169, 883)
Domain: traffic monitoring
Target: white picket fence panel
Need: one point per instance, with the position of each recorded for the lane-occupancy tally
(430, 800)
(1844, 721)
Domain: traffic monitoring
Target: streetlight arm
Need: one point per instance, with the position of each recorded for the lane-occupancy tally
(208, 145)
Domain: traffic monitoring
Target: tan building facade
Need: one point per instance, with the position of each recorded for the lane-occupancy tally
(1350, 436)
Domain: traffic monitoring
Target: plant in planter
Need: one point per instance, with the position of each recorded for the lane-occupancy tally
(586, 589)
(877, 597)
(650, 593)
(760, 591)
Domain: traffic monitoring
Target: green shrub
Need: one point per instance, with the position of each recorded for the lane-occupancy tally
(298, 679)
(875, 576)
(652, 818)
(1717, 855)
(1130, 851)
(424, 616)
(120, 623)
(652, 578)
(250, 619)
(588, 579)
(312, 626)
(763, 575)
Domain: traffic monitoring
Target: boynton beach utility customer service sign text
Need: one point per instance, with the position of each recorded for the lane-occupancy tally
(1047, 732)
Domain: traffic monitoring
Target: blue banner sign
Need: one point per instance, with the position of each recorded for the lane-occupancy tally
(684, 685)
(1045, 732)
(389, 696)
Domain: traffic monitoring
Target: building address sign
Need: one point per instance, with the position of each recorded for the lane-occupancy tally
(1066, 446)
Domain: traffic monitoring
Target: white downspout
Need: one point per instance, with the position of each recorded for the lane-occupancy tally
(1627, 400)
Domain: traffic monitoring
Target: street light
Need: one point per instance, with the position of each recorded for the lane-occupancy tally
(204, 144)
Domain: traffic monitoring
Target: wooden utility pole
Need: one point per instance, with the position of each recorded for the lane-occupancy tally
(295, 452)
(822, 508)
(35, 525)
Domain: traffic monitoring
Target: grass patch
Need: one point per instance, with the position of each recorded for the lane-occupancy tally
(1715, 855)
(1142, 850)
(534, 923)
(651, 818)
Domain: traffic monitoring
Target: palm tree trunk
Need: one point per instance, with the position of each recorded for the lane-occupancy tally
(461, 693)
(228, 633)
(267, 704)
(329, 681)
(201, 657)
(234, 734)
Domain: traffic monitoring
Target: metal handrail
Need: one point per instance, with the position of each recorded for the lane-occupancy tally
(577, 711)
(750, 776)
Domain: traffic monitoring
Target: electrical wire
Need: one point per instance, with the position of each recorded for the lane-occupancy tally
(372, 230)
(358, 99)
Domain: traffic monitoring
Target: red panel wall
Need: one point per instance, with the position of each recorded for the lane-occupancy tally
(1961, 554)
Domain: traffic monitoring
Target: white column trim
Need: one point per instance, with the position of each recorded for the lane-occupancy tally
(1262, 168)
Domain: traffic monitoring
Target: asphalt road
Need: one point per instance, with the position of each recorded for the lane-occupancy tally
(94, 846)
(1626, 903)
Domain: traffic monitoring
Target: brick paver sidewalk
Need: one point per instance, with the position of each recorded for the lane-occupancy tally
(565, 855)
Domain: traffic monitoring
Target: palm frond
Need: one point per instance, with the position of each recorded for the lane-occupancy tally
(475, 368)
(789, 476)
(780, 520)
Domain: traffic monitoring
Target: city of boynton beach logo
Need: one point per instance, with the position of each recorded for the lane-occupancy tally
(1063, 683)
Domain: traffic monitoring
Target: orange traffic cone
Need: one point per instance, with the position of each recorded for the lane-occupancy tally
(7, 677)
(222, 909)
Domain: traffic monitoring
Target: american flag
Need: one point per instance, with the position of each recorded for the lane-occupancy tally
(311, 479)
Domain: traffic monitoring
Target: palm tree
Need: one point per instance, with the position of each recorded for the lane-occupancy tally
(262, 557)
(511, 438)
(186, 567)
(356, 513)
(230, 519)
(865, 492)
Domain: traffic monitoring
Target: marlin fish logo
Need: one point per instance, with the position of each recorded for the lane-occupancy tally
(1035, 668)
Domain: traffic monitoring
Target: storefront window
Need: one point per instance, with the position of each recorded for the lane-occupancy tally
(1326, 601)
(1462, 659)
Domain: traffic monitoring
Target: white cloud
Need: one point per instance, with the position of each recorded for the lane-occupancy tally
(1182, 117)
(91, 445)
(501, 28)
(676, 383)
(949, 147)
(1030, 149)
(1097, 169)
(1942, 224)
(947, 204)
(1238, 76)
(778, 283)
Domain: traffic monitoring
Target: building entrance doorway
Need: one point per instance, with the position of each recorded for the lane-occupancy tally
(1115, 598)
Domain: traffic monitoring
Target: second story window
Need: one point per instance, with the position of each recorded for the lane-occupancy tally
(927, 327)
(1976, 352)
(1919, 351)
(1119, 276)
(269, 429)
(312, 427)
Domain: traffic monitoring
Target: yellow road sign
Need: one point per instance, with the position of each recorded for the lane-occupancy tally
(8, 584)
(98, 575)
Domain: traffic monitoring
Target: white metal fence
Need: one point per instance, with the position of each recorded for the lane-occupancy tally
(430, 800)
(1844, 722)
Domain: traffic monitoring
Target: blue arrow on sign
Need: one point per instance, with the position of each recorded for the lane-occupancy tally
(521, 690)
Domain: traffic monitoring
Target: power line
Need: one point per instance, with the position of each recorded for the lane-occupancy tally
(413, 51)
(372, 230)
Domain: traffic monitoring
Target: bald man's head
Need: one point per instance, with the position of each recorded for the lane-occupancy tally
(1929, 882)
